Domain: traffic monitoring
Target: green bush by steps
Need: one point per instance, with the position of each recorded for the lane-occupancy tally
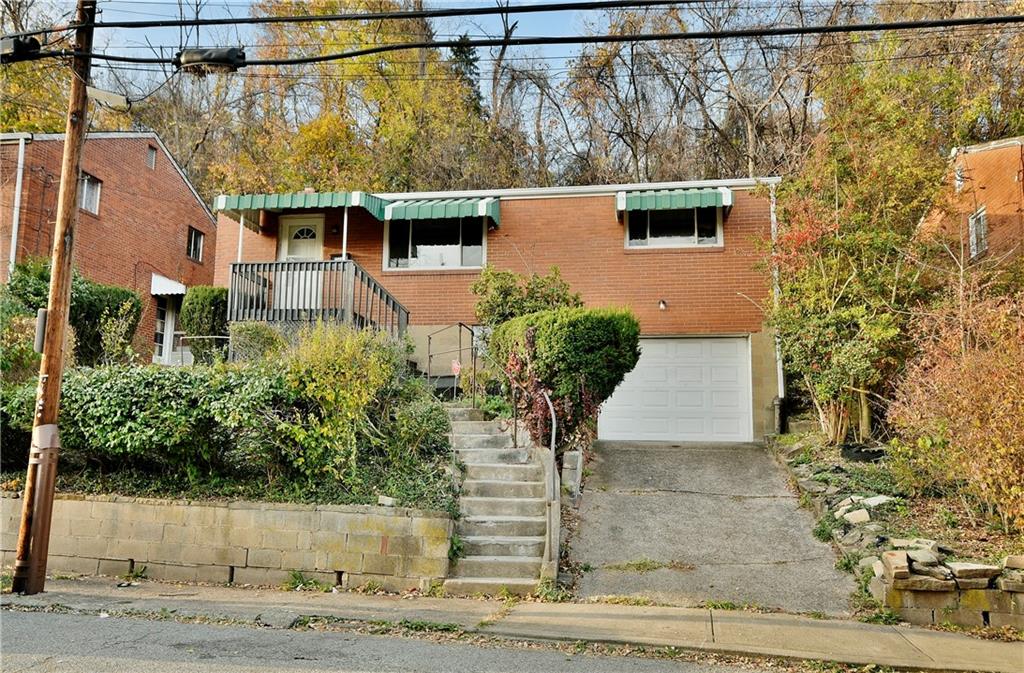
(577, 355)
(204, 313)
(28, 290)
(337, 417)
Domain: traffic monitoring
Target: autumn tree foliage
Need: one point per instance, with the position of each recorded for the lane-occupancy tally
(959, 406)
(846, 228)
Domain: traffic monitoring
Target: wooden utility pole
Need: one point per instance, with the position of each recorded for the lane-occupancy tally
(37, 507)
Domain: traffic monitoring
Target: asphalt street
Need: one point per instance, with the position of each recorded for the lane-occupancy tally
(45, 642)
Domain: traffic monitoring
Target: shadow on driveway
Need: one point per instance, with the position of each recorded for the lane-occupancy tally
(723, 509)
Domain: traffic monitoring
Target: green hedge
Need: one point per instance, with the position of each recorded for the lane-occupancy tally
(337, 416)
(29, 288)
(577, 355)
(204, 312)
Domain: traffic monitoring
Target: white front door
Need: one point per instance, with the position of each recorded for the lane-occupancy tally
(301, 240)
(683, 390)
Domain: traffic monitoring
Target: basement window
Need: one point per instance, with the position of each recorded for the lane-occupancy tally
(448, 243)
(684, 228)
(89, 193)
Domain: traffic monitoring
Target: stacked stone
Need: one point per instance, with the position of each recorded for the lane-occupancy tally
(915, 579)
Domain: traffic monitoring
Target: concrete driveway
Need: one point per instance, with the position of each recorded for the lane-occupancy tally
(721, 514)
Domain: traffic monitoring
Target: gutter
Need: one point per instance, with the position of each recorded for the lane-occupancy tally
(23, 139)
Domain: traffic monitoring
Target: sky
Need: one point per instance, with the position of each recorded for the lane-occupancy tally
(138, 41)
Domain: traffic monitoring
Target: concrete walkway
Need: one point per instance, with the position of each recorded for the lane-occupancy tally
(721, 512)
(728, 632)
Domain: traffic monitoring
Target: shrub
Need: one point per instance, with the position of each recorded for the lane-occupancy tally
(29, 286)
(154, 417)
(578, 356)
(19, 362)
(117, 330)
(255, 341)
(16, 404)
(505, 295)
(204, 313)
(959, 406)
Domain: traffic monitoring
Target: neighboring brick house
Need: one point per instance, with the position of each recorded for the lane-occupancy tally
(982, 205)
(141, 223)
(685, 257)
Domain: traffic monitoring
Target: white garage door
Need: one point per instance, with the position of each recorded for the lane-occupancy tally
(683, 390)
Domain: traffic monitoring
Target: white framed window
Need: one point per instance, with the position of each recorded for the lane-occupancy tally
(89, 193)
(151, 157)
(195, 244)
(977, 232)
(683, 228)
(449, 243)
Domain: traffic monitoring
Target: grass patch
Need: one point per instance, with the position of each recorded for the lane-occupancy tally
(848, 563)
(615, 599)
(6, 581)
(548, 591)
(720, 605)
(424, 626)
(299, 582)
(647, 565)
(881, 616)
(823, 529)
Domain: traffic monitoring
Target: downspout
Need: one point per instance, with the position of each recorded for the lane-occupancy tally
(16, 215)
(344, 234)
(241, 232)
(777, 291)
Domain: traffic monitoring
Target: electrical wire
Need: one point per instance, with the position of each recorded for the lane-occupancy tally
(382, 16)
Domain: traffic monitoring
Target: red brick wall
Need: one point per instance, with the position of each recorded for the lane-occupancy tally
(142, 224)
(708, 291)
(993, 178)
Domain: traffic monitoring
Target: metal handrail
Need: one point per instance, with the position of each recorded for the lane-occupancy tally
(552, 485)
(472, 350)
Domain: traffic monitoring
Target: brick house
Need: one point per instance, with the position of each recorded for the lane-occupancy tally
(685, 257)
(982, 205)
(142, 225)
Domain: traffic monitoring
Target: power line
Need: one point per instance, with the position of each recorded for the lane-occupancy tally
(381, 16)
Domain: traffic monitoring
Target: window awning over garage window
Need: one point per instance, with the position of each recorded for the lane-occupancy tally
(672, 199)
(250, 204)
(435, 209)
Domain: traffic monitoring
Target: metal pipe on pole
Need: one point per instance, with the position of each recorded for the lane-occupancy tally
(16, 213)
(40, 478)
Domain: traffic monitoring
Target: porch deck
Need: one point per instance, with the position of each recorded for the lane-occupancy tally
(331, 291)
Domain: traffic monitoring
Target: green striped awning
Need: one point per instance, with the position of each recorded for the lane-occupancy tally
(670, 199)
(433, 209)
(245, 203)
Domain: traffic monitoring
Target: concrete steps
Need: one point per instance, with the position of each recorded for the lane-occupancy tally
(503, 526)
(489, 586)
(502, 488)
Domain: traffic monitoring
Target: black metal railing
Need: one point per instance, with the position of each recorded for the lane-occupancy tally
(331, 291)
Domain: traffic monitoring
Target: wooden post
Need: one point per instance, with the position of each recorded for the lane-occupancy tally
(37, 508)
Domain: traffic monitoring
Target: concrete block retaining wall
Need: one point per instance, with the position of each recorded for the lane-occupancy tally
(963, 607)
(241, 542)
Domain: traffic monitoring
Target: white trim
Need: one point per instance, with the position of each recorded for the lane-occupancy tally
(727, 196)
(720, 234)
(160, 285)
(126, 135)
(241, 233)
(307, 219)
(620, 201)
(386, 252)
(482, 205)
(584, 190)
(357, 198)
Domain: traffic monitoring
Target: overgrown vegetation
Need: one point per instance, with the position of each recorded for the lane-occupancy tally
(577, 356)
(505, 295)
(336, 418)
(204, 313)
(28, 290)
